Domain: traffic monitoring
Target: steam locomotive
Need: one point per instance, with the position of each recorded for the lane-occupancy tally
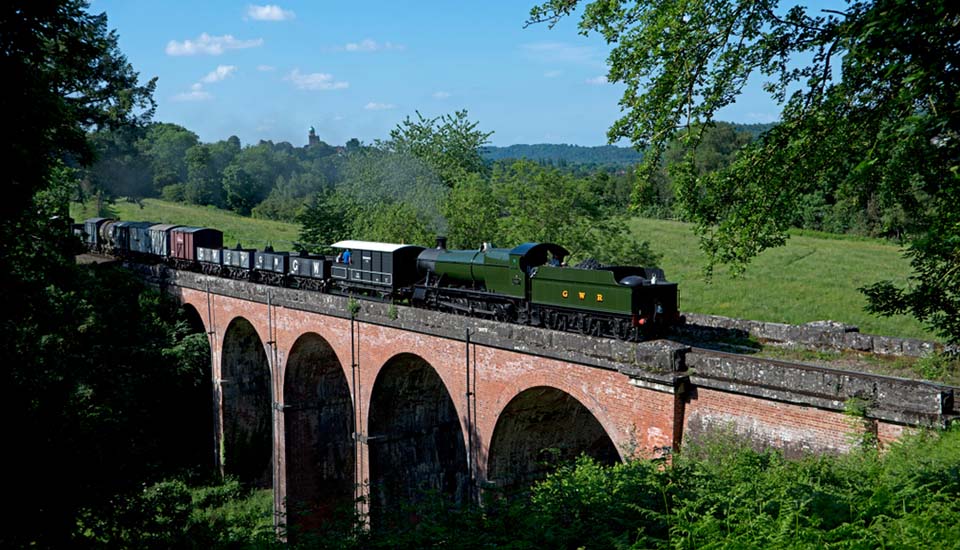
(529, 284)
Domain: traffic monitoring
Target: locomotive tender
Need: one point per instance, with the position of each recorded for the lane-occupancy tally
(529, 284)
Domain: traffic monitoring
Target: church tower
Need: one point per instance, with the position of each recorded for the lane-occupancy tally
(312, 138)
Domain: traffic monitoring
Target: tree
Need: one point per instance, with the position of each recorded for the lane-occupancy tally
(240, 189)
(472, 213)
(450, 144)
(873, 112)
(329, 218)
(541, 204)
(290, 196)
(394, 223)
(252, 171)
(203, 185)
(165, 145)
(119, 169)
(68, 78)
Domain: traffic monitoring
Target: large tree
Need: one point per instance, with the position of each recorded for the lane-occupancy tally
(869, 108)
(64, 391)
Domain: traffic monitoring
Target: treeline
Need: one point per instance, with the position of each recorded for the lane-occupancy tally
(169, 161)
(429, 178)
(438, 176)
(589, 159)
(563, 155)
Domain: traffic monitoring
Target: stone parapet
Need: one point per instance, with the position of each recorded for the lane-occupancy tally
(829, 335)
(885, 398)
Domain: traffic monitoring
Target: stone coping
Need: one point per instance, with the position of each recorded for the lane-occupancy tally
(817, 335)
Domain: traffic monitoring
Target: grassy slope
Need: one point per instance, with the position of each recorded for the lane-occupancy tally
(811, 278)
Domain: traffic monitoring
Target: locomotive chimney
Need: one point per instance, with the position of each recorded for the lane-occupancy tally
(441, 243)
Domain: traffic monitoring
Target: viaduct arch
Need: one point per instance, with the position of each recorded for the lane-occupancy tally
(328, 409)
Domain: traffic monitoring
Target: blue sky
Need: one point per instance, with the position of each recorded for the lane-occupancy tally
(356, 69)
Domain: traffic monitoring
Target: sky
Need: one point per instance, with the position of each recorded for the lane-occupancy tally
(357, 69)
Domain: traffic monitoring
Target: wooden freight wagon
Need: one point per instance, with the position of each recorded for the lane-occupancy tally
(185, 240)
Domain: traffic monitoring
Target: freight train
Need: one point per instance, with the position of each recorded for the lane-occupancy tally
(529, 284)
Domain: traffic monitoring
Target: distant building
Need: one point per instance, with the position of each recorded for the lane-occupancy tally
(313, 138)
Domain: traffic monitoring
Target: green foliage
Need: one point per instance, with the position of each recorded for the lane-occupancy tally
(382, 196)
(529, 202)
(867, 125)
(241, 191)
(937, 366)
(77, 409)
(165, 146)
(449, 144)
(120, 170)
(717, 493)
(396, 222)
(93, 394)
(70, 78)
(471, 212)
(175, 192)
(176, 514)
(290, 197)
(374, 177)
(327, 220)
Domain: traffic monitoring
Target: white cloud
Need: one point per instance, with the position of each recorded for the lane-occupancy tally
(441, 95)
(552, 74)
(596, 81)
(369, 45)
(266, 68)
(553, 52)
(210, 45)
(270, 12)
(379, 106)
(218, 74)
(195, 94)
(315, 81)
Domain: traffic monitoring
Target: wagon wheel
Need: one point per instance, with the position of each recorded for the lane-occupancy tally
(506, 313)
(585, 324)
(558, 321)
(523, 316)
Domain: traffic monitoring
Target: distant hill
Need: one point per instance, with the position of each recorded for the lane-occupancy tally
(754, 129)
(609, 156)
(559, 154)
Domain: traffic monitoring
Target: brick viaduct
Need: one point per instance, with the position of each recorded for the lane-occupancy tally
(325, 407)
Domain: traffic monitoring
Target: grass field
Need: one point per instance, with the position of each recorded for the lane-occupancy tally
(814, 277)
(811, 278)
